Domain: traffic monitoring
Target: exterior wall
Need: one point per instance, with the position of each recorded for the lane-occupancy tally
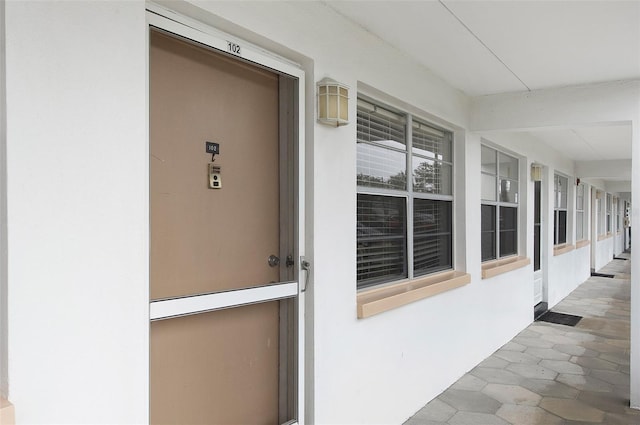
(4, 381)
(78, 320)
(566, 273)
(563, 273)
(618, 245)
(76, 139)
(604, 252)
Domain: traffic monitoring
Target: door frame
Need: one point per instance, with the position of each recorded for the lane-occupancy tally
(182, 26)
(539, 275)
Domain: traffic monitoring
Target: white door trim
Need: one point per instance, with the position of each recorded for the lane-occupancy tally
(168, 20)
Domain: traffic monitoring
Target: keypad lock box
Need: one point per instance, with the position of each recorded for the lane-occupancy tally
(215, 177)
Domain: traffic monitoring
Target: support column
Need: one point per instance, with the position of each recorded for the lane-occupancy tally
(635, 265)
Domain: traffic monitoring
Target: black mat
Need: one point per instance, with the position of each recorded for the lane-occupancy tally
(620, 258)
(560, 318)
(602, 275)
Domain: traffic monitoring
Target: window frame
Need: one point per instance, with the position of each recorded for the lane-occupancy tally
(600, 213)
(581, 233)
(608, 215)
(409, 194)
(558, 209)
(619, 215)
(498, 204)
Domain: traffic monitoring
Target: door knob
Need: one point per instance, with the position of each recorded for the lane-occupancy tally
(273, 260)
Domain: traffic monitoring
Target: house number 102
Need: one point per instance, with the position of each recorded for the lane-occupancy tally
(233, 48)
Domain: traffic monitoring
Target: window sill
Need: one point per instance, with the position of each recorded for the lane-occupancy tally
(562, 249)
(582, 243)
(379, 300)
(497, 267)
(7, 413)
(603, 237)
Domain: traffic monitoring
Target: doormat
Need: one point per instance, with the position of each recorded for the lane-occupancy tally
(620, 258)
(559, 318)
(602, 275)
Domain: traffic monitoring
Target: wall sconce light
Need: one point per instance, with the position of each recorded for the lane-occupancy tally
(578, 181)
(333, 103)
(536, 172)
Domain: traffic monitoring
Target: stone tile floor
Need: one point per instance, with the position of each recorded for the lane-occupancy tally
(553, 374)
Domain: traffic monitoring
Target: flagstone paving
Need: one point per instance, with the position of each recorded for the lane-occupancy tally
(553, 374)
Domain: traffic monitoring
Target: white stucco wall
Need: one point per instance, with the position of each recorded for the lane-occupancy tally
(76, 131)
(566, 272)
(4, 372)
(604, 252)
(361, 364)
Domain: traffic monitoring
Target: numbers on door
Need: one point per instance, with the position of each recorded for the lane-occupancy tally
(234, 48)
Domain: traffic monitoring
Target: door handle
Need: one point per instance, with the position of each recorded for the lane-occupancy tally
(273, 261)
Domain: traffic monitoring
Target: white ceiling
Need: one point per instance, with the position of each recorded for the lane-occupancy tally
(489, 47)
(610, 142)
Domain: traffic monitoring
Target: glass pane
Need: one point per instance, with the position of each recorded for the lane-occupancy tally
(560, 227)
(381, 237)
(579, 225)
(537, 202)
(536, 247)
(384, 128)
(432, 245)
(431, 176)
(380, 167)
(431, 142)
(508, 166)
(560, 191)
(509, 191)
(488, 184)
(488, 160)
(508, 231)
(580, 197)
(488, 242)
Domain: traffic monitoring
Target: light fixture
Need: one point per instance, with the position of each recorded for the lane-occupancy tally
(536, 172)
(333, 103)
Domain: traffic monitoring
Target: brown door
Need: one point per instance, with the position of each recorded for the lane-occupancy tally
(222, 366)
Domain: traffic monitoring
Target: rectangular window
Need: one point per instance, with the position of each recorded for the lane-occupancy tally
(601, 216)
(499, 209)
(537, 224)
(580, 223)
(619, 211)
(608, 213)
(560, 209)
(405, 226)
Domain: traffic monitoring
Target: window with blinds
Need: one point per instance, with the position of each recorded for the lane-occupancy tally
(608, 213)
(580, 222)
(560, 209)
(499, 208)
(600, 212)
(404, 224)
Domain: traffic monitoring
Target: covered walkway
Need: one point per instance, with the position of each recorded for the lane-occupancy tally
(550, 373)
